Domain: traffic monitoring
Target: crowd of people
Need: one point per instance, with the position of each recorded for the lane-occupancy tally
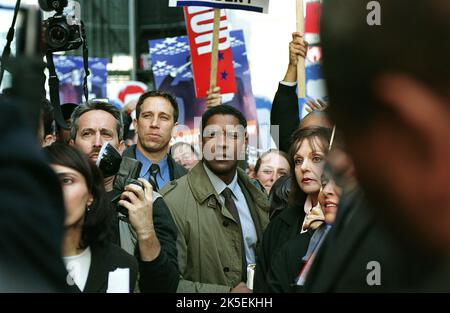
(358, 181)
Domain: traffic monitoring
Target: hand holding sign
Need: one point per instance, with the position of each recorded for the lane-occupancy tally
(193, 17)
(214, 98)
(297, 49)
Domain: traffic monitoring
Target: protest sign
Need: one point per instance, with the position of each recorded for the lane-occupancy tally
(261, 6)
(199, 28)
(70, 71)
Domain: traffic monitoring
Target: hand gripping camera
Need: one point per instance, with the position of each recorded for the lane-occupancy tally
(125, 170)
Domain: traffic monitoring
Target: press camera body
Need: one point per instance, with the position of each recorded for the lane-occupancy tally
(125, 170)
(60, 36)
(61, 32)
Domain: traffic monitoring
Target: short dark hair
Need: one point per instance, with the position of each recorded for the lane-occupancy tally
(412, 39)
(297, 197)
(279, 152)
(48, 118)
(97, 225)
(279, 194)
(67, 109)
(223, 109)
(91, 106)
(158, 94)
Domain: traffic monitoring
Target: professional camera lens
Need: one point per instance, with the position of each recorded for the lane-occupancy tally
(57, 36)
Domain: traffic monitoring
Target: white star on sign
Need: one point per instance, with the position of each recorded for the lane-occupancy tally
(160, 46)
(170, 41)
(161, 63)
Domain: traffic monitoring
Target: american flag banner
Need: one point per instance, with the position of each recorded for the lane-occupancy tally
(199, 25)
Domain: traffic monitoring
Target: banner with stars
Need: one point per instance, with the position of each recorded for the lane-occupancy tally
(70, 71)
(199, 25)
(172, 72)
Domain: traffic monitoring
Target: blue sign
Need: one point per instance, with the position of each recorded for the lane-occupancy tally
(70, 71)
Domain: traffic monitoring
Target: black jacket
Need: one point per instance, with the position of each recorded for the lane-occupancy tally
(281, 229)
(161, 274)
(285, 113)
(32, 211)
(104, 259)
(360, 236)
(175, 170)
(286, 265)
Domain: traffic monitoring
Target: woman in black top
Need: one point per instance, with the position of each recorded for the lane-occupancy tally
(303, 214)
(93, 263)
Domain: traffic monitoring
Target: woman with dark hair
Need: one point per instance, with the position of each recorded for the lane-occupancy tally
(291, 264)
(303, 214)
(279, 195)
(270, 166)
(94, 264)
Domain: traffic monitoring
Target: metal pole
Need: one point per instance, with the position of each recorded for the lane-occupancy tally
(132, 27)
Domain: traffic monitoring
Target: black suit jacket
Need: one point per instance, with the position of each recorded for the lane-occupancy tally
(175, 170)
(104, 259)
(287, 264)
(285, 113)
(284, 227)
(360, 236)
(31, 210)
(161, 274)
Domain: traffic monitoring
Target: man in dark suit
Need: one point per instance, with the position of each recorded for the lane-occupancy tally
(32, 210)
(156, 116)
(393, 105)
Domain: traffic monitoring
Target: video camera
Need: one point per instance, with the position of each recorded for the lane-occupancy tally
(61, 33)
(58, 33)
(125, 170)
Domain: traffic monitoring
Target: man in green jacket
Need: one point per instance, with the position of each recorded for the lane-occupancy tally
(220, 214)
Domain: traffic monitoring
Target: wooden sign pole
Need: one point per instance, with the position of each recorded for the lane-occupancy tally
(301, 61)
(215, 50)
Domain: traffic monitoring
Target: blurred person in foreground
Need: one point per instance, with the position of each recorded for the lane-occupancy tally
(31, 227)
(393, 106)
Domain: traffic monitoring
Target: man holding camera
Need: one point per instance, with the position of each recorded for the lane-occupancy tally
(152, 228)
